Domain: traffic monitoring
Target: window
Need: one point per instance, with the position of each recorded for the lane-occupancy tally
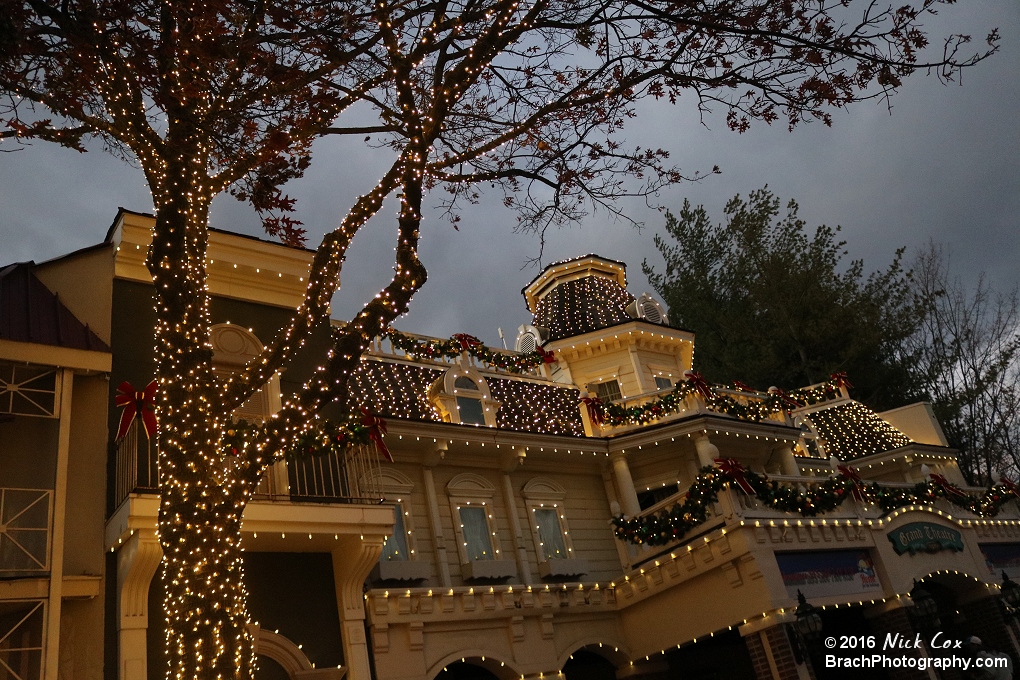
(608, 390)
(550, 534)
(471, 411)
(472, 511)
(553, 548)
(663, 383)
(475, 528)
(465, 383)
(395, 548)
(462, 396)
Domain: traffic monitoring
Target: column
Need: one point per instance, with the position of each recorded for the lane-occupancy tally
(624, 484)
(51, 659)
(707, 451)
(353, 559)
(509, 463)
(436, 524)
(137, 561)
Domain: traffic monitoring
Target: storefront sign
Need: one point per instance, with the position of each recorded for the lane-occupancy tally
(925, 537)
(828, 573)
(1002, 557)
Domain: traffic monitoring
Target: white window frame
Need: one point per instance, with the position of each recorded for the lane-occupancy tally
(397, 487)
(472, 490)
(542, 493)
(443, 394)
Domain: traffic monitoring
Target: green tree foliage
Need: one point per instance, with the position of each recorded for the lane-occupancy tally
(773, 304)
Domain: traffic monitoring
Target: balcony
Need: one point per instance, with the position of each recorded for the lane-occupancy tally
(692, 405)
(332, 478)
(383, 348)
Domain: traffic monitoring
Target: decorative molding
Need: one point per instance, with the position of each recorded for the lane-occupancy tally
(470, 485)
(543, 489)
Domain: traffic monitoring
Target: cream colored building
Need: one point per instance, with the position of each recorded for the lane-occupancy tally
(493, 552)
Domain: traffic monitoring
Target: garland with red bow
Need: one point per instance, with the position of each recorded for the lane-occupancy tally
(737, 473)
(673, 523)
(376, 429)
(856, 484)
(596, 409)
(331, 436)
(698, 382)
(427, 348)
(841, 380)
(139, 404)
(718, 398)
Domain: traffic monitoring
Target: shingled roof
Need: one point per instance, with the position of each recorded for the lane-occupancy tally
(851, 430)
(31, 312)
(582, 305)
(400, 390)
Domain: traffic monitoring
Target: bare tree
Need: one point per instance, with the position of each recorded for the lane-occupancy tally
(526, 97)
(968, 351)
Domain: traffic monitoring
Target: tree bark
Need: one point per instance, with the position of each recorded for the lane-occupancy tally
(202, 498)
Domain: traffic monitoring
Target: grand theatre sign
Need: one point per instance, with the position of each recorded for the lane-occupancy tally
(925, 537)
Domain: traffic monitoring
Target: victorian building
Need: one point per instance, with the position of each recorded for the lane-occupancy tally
(584, 506)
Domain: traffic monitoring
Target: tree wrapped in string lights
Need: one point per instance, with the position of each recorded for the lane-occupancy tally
(525, 97)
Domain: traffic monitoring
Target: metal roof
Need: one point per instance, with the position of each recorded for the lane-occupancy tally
(31, 312)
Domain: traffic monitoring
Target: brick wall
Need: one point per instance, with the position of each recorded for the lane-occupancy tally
(984, 619)
(779, 645)
(897, 621)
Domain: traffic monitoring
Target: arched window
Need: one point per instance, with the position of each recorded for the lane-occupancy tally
(462, 396)
(233, 346)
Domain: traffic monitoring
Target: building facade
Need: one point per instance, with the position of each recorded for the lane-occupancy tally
(583, 507)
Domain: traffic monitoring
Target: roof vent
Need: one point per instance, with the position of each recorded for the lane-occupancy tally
(648, 308)
(529, 338)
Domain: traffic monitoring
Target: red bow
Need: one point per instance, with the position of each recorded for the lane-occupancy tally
(467, 341)
(136, 404)
(841, 380)
(547, 357)
(1010, 486)
(743, 387)
(787, 399)
(849, 474)
(951, 490)
(697, 381)
(595, 409)
(376, 429)
(735, 471)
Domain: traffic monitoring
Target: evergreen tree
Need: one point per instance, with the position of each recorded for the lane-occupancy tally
(773, 304)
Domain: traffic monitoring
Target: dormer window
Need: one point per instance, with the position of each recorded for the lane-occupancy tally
(462, 396)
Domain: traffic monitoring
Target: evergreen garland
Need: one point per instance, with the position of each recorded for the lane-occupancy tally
(427, 348)
(673, 523)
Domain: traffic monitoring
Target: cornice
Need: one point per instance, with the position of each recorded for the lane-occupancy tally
(238, 266)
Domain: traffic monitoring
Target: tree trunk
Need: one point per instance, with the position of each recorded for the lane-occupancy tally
(201, 498)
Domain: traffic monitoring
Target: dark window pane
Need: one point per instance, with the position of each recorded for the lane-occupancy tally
(471, 411)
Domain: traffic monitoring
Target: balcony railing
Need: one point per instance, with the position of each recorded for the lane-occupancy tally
(332, 478)
(382, 347)
(25, 517)
(692, 405)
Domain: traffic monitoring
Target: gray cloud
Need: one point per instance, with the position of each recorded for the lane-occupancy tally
(945, 166)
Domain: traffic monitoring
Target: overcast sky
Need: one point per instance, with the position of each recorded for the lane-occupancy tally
(945, 165)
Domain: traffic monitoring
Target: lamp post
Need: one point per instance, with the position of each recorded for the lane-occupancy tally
(807, 628)
(1010, 595)
(926, 610)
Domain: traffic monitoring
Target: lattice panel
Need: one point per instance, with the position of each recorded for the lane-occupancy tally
(28, 390)
(21, 639)
(24, 530)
